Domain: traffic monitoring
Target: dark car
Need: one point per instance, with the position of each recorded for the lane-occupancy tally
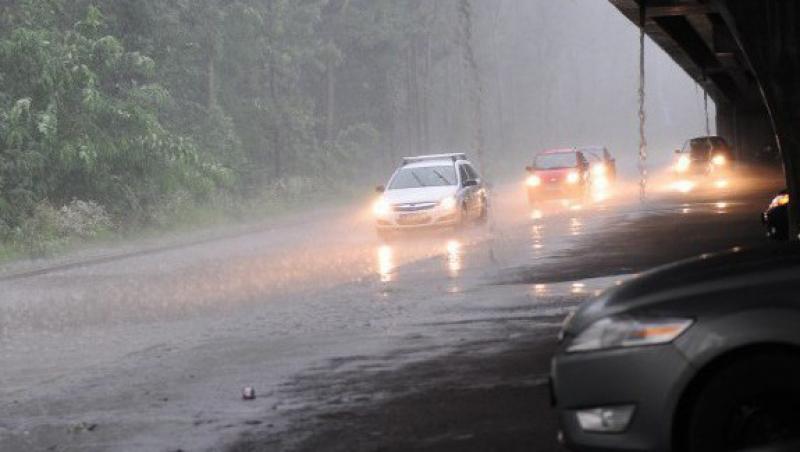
(702, 157)
(776, 217)
(701, 355)
(558, 174)
(602, 164)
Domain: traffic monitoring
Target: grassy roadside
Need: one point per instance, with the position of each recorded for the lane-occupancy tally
(182, 222)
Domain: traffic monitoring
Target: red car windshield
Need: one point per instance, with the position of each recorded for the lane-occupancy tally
(556, 160)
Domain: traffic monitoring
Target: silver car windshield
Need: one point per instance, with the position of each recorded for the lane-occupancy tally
(428, 176)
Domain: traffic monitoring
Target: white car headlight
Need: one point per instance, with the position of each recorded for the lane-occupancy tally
(534, 181)
(448, 203)
(617, 332)
(381, 208)
(683, 163)
(573, 177)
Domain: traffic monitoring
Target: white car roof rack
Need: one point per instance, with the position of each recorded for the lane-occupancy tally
(455, 156)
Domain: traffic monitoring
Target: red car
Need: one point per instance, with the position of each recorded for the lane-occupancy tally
(558, 174)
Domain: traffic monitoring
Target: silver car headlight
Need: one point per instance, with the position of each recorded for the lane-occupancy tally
(620, 332)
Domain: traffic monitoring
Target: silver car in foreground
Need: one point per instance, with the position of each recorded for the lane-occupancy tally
(699, 356)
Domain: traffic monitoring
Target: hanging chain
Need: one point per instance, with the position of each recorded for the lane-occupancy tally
(705, 107)
(642, 114)
(476, 88)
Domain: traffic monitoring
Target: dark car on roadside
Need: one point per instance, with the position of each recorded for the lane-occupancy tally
(776, 217)
(558, 174)
(601, 163)
(701, 356)
(703, 157)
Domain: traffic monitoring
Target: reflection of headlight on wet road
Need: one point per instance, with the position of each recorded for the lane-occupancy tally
(683, 186)
(722, 183)
(534, 181)
(683, 164)
(453, 257)
(573, 177)
(385, 263)
(381, 208)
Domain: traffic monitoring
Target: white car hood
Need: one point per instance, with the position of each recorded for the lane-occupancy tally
(421, 194)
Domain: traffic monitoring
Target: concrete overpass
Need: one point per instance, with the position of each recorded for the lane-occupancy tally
(746, 55)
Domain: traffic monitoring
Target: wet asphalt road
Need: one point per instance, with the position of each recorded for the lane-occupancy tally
(437, 343)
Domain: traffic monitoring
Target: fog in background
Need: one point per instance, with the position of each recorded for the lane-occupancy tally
(147, 113)
(565, 73)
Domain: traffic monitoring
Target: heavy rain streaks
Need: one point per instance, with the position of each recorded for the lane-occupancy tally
(204, 244)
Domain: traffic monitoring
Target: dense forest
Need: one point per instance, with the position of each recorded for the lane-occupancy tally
(118, 114)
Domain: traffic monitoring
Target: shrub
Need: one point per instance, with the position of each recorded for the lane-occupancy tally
(83, 219)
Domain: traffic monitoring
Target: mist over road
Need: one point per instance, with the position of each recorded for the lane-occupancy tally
(335, 330)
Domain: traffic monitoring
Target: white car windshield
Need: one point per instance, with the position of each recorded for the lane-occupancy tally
(427, 176)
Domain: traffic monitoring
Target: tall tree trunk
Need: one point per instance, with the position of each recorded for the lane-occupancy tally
(276, 126)
(211, 60)
(330, 112)
(426, 94)
(416, 96)
(409, 110)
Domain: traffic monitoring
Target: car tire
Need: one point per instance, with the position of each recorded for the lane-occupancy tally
(750, 402)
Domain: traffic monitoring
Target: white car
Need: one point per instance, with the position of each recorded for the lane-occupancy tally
(431, 191)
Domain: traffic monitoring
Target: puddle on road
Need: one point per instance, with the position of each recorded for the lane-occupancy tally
(389, 258)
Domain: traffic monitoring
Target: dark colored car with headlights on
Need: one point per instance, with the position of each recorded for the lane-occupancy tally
(701, 355)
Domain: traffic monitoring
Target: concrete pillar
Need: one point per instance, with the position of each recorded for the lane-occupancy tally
(746, 128)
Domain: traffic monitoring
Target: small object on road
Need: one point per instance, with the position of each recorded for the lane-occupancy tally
(248, 393)
(82, 427)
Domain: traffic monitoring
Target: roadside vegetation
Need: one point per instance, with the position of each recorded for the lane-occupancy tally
(148, 115)
(128, 115)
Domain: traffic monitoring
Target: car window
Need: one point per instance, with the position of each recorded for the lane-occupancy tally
(462, 172)
(592, 157)
(473, 175)
(699, 148)
(556, 160)
(427, 176)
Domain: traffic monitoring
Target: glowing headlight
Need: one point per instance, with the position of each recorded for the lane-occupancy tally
(448, 203)
(780, 200)
(381, 208)
(627, 332)
(599, 169)
(683, 164)
(573, 177)
(719, 160)
(534, 181)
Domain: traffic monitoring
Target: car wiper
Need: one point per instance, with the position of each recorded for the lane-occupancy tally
(446, 181)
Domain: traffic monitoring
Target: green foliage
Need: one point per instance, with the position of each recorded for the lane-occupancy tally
(135, 105)
(79, 117)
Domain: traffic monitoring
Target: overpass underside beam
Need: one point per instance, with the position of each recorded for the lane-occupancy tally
(745, 54)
